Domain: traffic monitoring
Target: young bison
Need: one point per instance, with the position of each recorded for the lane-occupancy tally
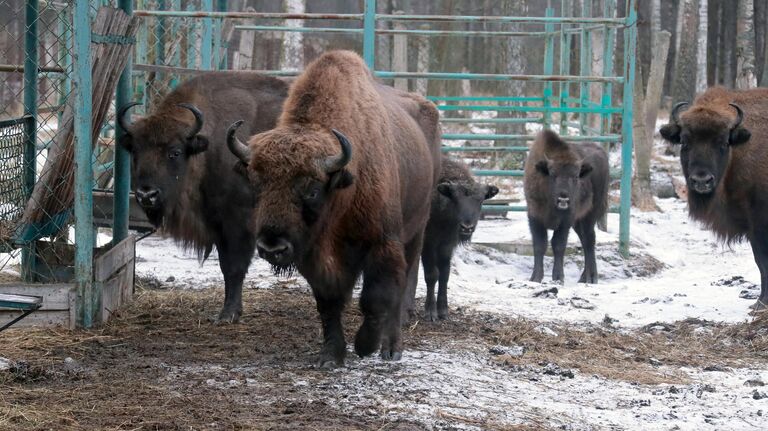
(724, 156)
(565, 185)
(452, 220)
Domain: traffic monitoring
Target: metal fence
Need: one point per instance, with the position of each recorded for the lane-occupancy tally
(47, 98)
(564, 95)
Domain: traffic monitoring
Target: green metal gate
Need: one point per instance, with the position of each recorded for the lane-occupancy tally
(561, 101)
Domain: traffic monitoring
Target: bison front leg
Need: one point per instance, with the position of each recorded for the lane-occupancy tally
(444, 267)
(234, 260)
(586, 231)
(383, 287)
(559, 241)
(539, 236)
(334, 345)
(760, 250)
(431, 273)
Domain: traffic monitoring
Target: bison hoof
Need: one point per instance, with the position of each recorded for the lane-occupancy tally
(442, 314)
(326, 363)
(536, 278)
(227, 317)
(430, 314)
(390, 355)
(367, 340)
(589, 279)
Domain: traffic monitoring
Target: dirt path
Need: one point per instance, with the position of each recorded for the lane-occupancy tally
(161, 365)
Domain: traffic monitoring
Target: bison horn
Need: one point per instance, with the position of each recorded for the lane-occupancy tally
(235, 146)
(198, 118)
(675, 111)
(337, 162)
(122, 120)
(739, 115)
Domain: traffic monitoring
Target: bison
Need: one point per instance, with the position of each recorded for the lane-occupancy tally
(724, 156)
(182, 173)
(565, 185)
(456, 205)
(343, 184)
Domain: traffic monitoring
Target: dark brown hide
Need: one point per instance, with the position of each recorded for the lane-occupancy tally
(566, 185)
(456, 207)
(733, 159)
(197, 199)
(367, 218)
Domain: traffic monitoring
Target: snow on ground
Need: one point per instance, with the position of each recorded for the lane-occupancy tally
(695, 280)
(677, 271)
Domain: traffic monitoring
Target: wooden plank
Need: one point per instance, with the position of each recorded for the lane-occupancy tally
(38, 318)
(117, 291)
(55, 296)
(114, 259)
(21, 299)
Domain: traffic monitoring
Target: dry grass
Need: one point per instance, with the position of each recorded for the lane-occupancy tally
(122, 373)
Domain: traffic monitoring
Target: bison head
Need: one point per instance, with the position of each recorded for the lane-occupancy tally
(296, 173)
(465, 201)
(705, 139)
(564, 177)
(161, 147)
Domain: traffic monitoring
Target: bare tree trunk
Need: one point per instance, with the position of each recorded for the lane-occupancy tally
(745, 52)
(761, 16)
(685, 70)
(292, 57)
(713, 37)
(655, 16)
(669, 21)
(727, 44)
(646, 107)
(400, 56)
(701, 51)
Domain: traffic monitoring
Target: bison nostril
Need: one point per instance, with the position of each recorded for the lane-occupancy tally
(276, 247)
(467, 227)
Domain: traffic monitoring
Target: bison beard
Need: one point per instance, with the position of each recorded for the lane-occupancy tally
(565, 186)
(724, 157)
(182, 173)
(327, 206)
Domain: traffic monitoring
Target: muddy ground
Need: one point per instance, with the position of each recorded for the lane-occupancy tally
(161, 365)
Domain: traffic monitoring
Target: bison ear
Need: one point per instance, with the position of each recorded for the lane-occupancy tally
(241, 169)
(670, 132)
(197, 144)
(543, 167)
(445, 189)
(739, 135)
(491, 191)
(340, 180)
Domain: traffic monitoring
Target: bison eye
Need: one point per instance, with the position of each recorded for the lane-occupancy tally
(311, 195)
(174, 153)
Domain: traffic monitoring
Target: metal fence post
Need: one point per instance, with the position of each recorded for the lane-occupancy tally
(630, 41)
(207, 41)
(549, 66)
(84, 234)
(122, 157)
(30, 131)
(369, 34)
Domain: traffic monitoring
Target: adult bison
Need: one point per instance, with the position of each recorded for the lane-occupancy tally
(454, 213)
(343, 184)
(723, 139)
(565, 186)
(182, 171)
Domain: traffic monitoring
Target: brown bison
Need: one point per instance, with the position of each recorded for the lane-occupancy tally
(343, 184)
(182, 172)
(565, 185)
(455, 210)
(724, 155)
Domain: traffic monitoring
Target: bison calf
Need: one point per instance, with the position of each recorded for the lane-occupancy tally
(452, 220)
(724, 156)
(565, 185)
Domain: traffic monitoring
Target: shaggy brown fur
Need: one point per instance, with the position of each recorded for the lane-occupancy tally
(726, 167)
(367, 218)
(201, 202)
(565, 186)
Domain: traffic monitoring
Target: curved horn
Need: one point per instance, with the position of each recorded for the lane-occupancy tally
(198, 118)
(236, 147)
(739, 115)
(337, 162)
(122, 120)
(675, 110)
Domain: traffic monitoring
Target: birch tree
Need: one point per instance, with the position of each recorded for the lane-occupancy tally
(684, 87)
(745, 39)
(292, 57)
